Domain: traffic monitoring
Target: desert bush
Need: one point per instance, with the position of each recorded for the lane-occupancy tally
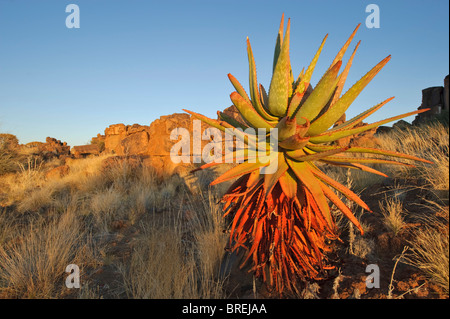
(430, 247)
(34, 266)
(430, 142)
(393, 214)
(189, 249)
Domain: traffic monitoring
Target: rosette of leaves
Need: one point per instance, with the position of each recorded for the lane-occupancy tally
(283, 219)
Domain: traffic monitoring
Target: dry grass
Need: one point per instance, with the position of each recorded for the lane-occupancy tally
(430, 247)
(430, 142)
(189, 250)
(33, 265)
(50, 223)
(393, 214)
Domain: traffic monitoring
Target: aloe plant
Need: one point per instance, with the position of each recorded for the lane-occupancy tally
(283, 219)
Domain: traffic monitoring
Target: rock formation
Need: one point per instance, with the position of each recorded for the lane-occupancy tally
(85, 150)
(437, 99)
(53, 148)
(151, 142)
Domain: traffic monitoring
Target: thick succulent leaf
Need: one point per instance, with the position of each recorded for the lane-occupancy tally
(288, 184)
(342, 51)
(341, 159)
(359, 118)
(303, 129)
(343, 77)
(207, 120)
(286, 128)
(299, 79)
(278, 91)
(339, 187)
(316, 156)
(319, 96)
(278, 43)
(303, 173)
(355, 166)
(341, 206)
(294, 142)
(254, 93)
(335, 135)
(295, 102)
(249, 113)
(333, 113)
(264, 97)
(290, 81)
(271, 179)
(253, 178)
(249, 140)
(356, 149)
(238, 87)
(232, 121)
(304, 82)
(237, 156)
(237, 171)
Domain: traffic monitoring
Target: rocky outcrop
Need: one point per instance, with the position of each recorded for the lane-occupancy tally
(85, 150)
(123, 139)
(233, 112)
(435, 98)
(160, 142)
(53, 148)
(152, 143)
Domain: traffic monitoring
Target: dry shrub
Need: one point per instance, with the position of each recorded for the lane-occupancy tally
(34, 265)
(430, 142)
(180, 258)
(430, 248)
(393, 214)
(106, 205)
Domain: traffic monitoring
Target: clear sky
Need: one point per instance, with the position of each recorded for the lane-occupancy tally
(132, 61)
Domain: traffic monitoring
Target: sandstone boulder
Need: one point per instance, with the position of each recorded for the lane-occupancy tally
(54, 148)
(123, 139)
(85, 150)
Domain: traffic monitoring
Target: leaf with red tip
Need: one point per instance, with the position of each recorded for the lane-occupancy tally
(303, 173)
(342, 51)
(341, 206)
(356, 166)
(295, 102)
(249, 113)
(343, 77)
(271, 179)
(304, 82)
(254, 93)
(339, 187)
(357, 149)
(315, 156)
(239, 88)
(359, 118)
(333, 113)
(341, 159)
(294, 142)
(289, 184)
(239, 170)
(335, 135)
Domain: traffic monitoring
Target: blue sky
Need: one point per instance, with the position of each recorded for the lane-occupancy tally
(132, 61)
